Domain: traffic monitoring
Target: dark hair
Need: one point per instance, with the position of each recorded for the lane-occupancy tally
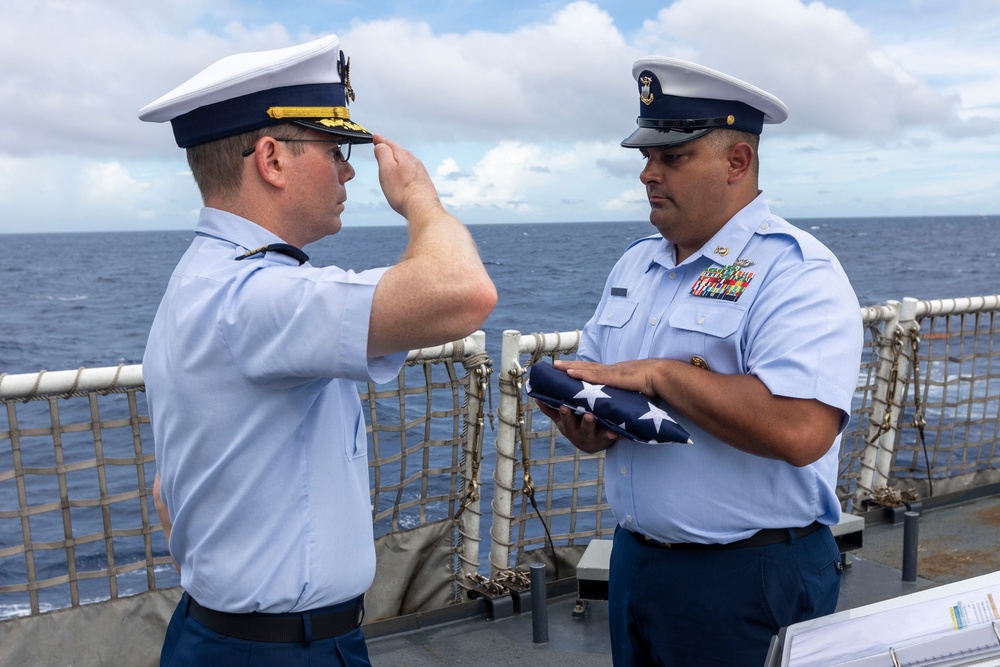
(723, 138)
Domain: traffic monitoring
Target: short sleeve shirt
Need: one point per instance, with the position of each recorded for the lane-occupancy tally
(763, 298)
(250, 372)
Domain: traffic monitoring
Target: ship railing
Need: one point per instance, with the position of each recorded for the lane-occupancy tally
(76, 462)
(77, 469)
(925, 422)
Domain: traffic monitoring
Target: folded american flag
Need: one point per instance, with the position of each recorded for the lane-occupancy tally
(628, 413)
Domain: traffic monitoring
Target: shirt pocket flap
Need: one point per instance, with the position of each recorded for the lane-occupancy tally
(617, 312)
(711, 318)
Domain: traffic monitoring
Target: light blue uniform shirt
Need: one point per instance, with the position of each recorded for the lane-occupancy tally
(250, 373)
(774, 303)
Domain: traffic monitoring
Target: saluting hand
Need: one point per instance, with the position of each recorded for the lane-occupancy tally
(404, 179)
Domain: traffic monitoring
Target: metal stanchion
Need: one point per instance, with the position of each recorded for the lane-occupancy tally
(910, 536)
(539, 605)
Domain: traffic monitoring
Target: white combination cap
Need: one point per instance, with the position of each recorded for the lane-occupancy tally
(680, 101)
(308, 84)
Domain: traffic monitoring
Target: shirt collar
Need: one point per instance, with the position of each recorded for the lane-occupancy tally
(244, 234)
(727, 244)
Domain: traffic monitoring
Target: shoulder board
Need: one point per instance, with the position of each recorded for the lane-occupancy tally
(809, 245)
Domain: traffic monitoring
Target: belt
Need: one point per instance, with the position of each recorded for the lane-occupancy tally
(303, 626)
(761, 538)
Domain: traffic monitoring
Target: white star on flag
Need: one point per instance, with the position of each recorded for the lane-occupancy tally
(657, 415)
(592, 392)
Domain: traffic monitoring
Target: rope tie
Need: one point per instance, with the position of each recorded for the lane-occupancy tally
(918, 418)
(517, 376)
(114, 382)
(918, 415)
(483, 371)
(34, 389)
(76, 383)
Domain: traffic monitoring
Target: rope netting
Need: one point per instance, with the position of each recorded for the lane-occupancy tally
(556, 491)
(76, 472)
(945, 356)
(426, 448)
(77, 468)
(950, 420)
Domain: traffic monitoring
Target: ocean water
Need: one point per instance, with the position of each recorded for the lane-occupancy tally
(88, 299)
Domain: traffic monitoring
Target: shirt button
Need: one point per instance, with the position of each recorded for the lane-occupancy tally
(701, 320)
(765, 225)
(624, 470)
(672, 275)
(628, 517)
(653, 322)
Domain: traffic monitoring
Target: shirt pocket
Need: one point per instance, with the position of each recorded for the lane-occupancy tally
(356, 439)
(708, 329)
(611, 323)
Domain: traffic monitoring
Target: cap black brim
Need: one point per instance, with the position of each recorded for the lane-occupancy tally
(647, 137)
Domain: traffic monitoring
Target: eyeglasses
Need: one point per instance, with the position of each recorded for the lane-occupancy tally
(343, 153)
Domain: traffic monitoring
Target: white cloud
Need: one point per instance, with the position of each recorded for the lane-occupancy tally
(831, 73)
(633, 201)
(73, 194)
(109, 184)
(501, 179)
(529, 115)
(564, 79)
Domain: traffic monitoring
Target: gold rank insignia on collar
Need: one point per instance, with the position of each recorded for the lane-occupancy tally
(721, 250)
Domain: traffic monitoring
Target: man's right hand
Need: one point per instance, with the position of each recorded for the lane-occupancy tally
(404, 179)
(439, 291)
(581, 430)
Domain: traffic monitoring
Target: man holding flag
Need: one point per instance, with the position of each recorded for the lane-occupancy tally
(748, 331)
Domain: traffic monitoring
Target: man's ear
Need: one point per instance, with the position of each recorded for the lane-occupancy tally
(740, 156)
(269, 159)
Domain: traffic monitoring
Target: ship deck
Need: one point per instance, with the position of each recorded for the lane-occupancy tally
(957, 538)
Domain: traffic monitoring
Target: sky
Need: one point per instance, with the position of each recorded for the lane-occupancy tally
(516, 108)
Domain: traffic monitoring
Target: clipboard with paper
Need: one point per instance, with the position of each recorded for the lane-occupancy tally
(948, 626)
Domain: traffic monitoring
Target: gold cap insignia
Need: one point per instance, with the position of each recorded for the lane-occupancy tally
(344, 70)
(646, 95)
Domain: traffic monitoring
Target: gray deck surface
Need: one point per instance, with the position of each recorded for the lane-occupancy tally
(955, 542)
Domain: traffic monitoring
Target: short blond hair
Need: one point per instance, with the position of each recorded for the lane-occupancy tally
(217, 166)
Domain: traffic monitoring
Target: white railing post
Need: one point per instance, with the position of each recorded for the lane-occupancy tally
(890, 384)
(469, 521)
(506, 446)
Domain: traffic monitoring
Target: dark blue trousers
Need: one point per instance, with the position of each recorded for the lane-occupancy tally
(188, 642)
(720, 607)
